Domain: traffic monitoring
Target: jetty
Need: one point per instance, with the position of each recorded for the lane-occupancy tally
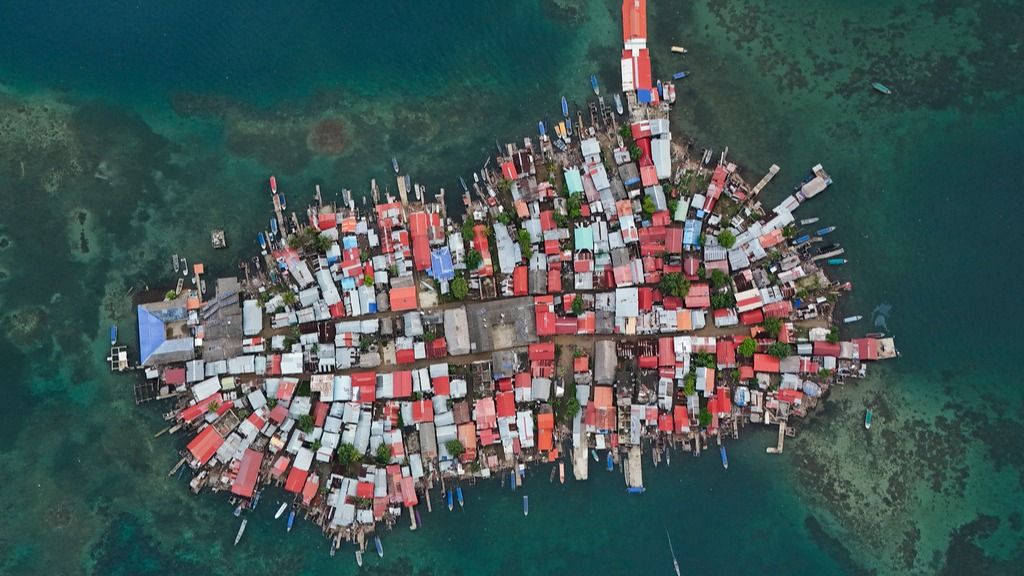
(606, 289)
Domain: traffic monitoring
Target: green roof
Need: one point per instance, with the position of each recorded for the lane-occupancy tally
(584, 238)
(573, 180)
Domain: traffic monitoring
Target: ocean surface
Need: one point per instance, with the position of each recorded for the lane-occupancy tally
(129, 130)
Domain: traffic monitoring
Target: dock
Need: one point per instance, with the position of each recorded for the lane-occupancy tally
(634, 469)
(827, 255)
(764, 181)
(581, 463)
(777, 449)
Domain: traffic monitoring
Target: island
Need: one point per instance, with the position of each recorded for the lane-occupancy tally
(601, 292)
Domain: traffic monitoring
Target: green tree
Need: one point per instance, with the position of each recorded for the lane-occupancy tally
(474, 259)
(577, 305)
(460, 288)
(455, 447)
(289, 298)
(674, 284)
(833, 335)
(673, 205)
(690, 384)
(705, 359)
(504, 218)
(317, 445)
(170, 295)
(467, 228)
(573, 206)
(572, 408)
(368, 280)
(347, 454)
(525, 245)
(780, 349)
(705, 417)
(727, 239)
(212, 407)
(747, 347)
(635, 152)
(647, 205)
(305, 423)
(721, 300)
(773, 326)
(383, 454)
(719, 279)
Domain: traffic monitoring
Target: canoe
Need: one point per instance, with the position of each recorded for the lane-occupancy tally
(359, 558)
(610, 463)
(380, 547)
(526, 505)
(451, 500)
(867, 419)
(458, 494)
(241, 530)
(881, 88)
(291, 520)
(281, 510)
(725, 457)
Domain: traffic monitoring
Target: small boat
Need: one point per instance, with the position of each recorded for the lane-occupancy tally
(522, 472)
(851, 319)
(291, 520)
(283, 201)
(514, 480)
(661, 90)
(825, 230)
(113, 334)
(464, 187)
(238, 511)
(881, 88)
(241, 530)
(668, 456)
(419, 521)
(827, 248)
(380, 547)
(273, 227)
(618, 103)
(725, 457)
(609, 462)
(540, 127)
(875, 335)
(836, 261)
(809, 221)
(526, 505)
(675, 563)
(561, 472)
(568, 125)
(565, 107)
(175, 263)
(867, 419)
(593, 84)
(593, 453)
(359, 558)
(679, 50)
(262, 239)
(635, 490)
(394, 164)
(458, 495)
(273, 185)
(451, 500)
(256, 499)
(280, 511)
(680, 75)
(802, 239)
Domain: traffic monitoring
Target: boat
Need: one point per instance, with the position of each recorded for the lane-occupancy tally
(526, 505)
(394, 164)
(451, 500)
(565, 107)
(680, 75)
(635, 490)
(522, 472)
(283, 201)
(514, 480)
(825, 230)
(561, 472)
(113, 334)
(458, 495)
(679, 50)
(668, 456)
(809, 221)
(725, 457)
(291, 520)
(280, 511)
(540, 127)
(262, 239)
(661, 90)
(618, 103)
(675, 563)
(802, 239)
(851, 319)
(593, 454)
(256, 499)
(273, 185)
(238, 511)
(175, 263)
(273, 227)
(241, 530)
(827, 248)
(380, 547)
(867, 419)
(464, 187)
(670, 92)
(836, 261)
(419, 520)
(359, 558)
(881, 88)
(568, 125)
(593, 84)
(609, 462)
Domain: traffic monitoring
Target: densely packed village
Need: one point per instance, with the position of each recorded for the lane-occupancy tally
(603, 293)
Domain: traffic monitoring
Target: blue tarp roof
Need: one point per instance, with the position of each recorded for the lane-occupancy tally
(643, 96)
(441, 265)
(151, 333)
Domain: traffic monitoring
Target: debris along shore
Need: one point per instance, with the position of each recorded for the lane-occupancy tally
(605, 292)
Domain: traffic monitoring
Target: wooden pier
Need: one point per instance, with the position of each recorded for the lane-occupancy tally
(764, 181)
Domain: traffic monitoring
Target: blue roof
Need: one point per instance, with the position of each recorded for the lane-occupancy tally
(151, 333)
(643, 96)
(441, 265)
(691, 232)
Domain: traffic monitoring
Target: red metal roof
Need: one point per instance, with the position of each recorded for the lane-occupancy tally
(827, 349)
(542, 351)
(364, 387)
(422, 411)
(296, 480)
(520, 281)
(634, 20)
(506, 403)
(766, 363)
(248, 473)
(205, 444)
(403, 299)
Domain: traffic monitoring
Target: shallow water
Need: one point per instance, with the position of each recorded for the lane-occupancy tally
(184, 110)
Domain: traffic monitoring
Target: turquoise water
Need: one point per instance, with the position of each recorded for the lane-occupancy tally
(184, 109)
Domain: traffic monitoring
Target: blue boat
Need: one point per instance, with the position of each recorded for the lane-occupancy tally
(273, 227)
(380, 547)
(637, 490)
(458, 494)
(609, 462)
(540, 127)
(725, 458)
(113, 334)
(262, 239)
(593, 84)
(283, 201)
(801, 240)
(565, 107)
(526, 505)
(825, 230)
(661, 90)
(680, 75)
(451, 501)
(291, 519)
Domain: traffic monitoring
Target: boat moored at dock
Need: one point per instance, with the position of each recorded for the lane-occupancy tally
(565, 107)
(113, 334)
(540, 127)
(291, 520)
(610, 462)
(378, 545)
(618, 103)
(594, 85)
(450, 497)
(825, 230)
(725, 457)
(394, 164)
(458, 494)
(836, 261)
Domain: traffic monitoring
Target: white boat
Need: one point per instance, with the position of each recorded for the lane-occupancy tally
(176, 263)
(618, 103)
(359, 558)
(281, 510)
(241, 530)
(675, 563)
(808, 221)
(851, 319)
(679, 50)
